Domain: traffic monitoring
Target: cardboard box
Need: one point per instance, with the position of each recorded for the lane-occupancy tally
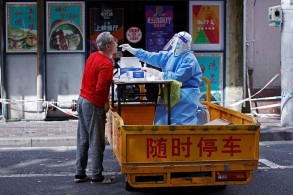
(133, 75)
(122, 72)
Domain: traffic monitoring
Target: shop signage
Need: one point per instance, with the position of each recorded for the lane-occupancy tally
(211, 65)
(207, 25)
(65, 26)
(134, 34)
(107, 19)
(21, 27)
(159, 27)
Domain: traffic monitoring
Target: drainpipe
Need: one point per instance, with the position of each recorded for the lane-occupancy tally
(244, 51)
(40, 56)
(2, 68)
(286, 64)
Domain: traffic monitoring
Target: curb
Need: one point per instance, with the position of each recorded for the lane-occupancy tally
(276, 135)
(37, 142)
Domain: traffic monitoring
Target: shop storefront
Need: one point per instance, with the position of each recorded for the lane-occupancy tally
(54, 43)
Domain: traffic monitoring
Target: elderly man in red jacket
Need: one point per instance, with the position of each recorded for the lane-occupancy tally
(92, 106)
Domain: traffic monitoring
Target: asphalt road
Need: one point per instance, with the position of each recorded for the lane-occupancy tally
(51, 171)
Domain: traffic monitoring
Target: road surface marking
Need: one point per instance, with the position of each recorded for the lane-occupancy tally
(272, 165)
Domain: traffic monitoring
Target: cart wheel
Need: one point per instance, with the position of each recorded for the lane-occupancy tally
(128, 187)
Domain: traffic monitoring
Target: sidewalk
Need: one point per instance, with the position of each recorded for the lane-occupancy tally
(63, 133)
(38, 133)
(271, 130)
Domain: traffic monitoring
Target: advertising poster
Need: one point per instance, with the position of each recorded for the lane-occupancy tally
(21, 27)
(206, 25)
(211, 65)
(159, 27)
(65, 27)
(133, 34)
(108, 19)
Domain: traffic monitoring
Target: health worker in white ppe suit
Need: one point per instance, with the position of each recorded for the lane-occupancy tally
(177, 63)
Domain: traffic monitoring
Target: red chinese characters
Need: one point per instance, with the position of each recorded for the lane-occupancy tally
(182, 147)
(207, 145)
(156, 148)
(177, 145)
(230, 144)
(60, 9)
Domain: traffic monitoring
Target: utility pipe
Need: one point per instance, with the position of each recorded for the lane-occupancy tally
(2, 69)
(244, 51)
(287, 64)
(40, 56)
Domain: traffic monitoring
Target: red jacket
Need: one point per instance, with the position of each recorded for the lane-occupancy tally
(97, 78)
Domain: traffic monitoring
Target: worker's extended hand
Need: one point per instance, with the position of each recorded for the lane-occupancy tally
(128, 48)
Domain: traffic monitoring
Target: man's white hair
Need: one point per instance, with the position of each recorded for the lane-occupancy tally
(103, 39)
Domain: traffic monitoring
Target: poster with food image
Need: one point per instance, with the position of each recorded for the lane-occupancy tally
(65, 27)
(21, 27)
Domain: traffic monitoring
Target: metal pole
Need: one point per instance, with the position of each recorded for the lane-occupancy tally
(244, 51)
(2, 68)
(287, 64)
(40, 56)
(1, 53)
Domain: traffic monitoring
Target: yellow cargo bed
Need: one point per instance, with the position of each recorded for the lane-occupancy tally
(224, 151)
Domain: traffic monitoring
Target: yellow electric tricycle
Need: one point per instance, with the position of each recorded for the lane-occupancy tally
(224, 151)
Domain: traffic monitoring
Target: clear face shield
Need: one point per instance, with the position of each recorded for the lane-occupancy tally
(179, 43)
(169, 46)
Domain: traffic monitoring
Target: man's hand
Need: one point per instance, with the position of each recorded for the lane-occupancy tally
(107, 107)
(128, 48)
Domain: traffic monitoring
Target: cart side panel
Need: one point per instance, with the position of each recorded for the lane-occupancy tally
(142, 114)
(189, 146)
(233, 116)
(158, 156)
(116, 133)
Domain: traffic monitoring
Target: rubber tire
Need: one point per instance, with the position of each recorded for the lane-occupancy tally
(129, 188)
